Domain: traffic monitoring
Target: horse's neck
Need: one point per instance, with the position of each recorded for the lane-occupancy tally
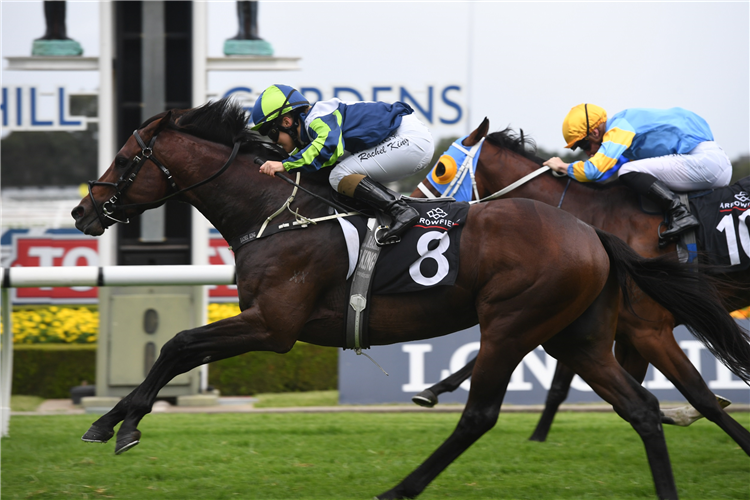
(609, 209)
(237, 201)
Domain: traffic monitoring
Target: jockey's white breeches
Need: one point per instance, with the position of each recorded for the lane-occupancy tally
(406, 151)
(706, 166)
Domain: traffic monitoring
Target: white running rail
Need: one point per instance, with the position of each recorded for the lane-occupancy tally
(67, 276)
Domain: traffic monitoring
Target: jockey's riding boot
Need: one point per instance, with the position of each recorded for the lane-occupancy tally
(381, 198)
(680, 218)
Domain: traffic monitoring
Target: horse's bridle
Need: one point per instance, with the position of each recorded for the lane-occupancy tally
(127, 178)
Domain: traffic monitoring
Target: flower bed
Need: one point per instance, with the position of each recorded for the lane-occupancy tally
(55, 325)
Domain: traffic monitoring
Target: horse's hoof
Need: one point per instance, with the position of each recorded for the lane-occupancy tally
(124, 443)
(97, 435)
(391, 495)
(426, 398)
(538, 439)
(723, 402)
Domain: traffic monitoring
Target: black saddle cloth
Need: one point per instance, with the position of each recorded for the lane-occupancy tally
(428, 253)
(724, 234)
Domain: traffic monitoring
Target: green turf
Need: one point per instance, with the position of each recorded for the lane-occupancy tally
(335, 456)
(290, 399)
(25, 403)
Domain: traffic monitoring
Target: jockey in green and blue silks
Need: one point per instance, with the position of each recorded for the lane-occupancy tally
(365, 142)
(668, 149)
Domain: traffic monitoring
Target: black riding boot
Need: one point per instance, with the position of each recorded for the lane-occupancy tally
(379, 197)
(680, 219)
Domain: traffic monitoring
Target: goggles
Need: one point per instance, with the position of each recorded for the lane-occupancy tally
(268, 129)
(583, 144)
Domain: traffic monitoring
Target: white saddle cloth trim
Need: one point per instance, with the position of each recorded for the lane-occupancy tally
(352, 244)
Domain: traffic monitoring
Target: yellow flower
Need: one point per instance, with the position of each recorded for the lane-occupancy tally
(77, 324)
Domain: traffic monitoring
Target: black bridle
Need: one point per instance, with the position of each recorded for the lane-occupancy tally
(127, 178)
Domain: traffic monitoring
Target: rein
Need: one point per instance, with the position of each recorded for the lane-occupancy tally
(523, 180)
(109, 207)
(300, 220)
(467, 165)
(520, 182)
(296, 185)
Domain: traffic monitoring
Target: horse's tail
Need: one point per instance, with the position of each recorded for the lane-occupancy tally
(690, 296)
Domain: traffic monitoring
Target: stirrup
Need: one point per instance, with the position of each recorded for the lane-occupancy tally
(664, 241)
(390, 241)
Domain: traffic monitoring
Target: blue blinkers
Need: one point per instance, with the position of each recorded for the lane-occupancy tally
(453, 175)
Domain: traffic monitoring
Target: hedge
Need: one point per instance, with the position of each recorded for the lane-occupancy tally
(50, 370)
(306, 367)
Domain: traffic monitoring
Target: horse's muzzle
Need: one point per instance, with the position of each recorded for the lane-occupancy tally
(86, 221)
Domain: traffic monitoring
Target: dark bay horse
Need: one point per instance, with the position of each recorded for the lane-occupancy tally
(642, 338)
(558, 285)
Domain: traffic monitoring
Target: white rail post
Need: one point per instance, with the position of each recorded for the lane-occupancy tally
(199, 229)
(6, 362)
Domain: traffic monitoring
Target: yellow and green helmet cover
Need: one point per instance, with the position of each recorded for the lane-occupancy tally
(274, 102)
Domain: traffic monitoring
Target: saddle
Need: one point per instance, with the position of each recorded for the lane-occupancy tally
(426, 256)
(724, 234)
(723, 237)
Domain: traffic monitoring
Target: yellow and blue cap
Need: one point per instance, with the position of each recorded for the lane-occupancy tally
(579, 122)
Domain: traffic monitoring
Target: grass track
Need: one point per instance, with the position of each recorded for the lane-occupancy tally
(337, 456)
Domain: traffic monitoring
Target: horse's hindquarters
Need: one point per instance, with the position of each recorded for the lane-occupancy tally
(533, 265)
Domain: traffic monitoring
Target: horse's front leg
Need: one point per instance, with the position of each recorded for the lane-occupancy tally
(493, 367)
(249, 331)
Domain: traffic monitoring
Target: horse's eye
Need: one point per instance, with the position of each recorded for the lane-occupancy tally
(445, 170)
(120, 161)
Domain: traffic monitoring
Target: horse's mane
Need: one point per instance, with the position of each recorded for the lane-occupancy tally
(526, 147)
(224, 122)
(517, 143)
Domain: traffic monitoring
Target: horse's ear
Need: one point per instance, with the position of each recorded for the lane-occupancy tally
(478, 134)
(166, 120)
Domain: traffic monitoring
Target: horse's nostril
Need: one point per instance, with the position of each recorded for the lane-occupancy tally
(77, 212)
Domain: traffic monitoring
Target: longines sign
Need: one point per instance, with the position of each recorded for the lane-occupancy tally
(415, 366)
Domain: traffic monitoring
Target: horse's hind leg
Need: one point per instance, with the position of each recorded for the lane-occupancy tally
(429, 397)
(625, 354)
(586, 346)
(557, 393)
(661, 349)
(634, 404)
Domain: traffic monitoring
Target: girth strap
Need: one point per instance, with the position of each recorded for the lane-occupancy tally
(687, 246)
(359, 291)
